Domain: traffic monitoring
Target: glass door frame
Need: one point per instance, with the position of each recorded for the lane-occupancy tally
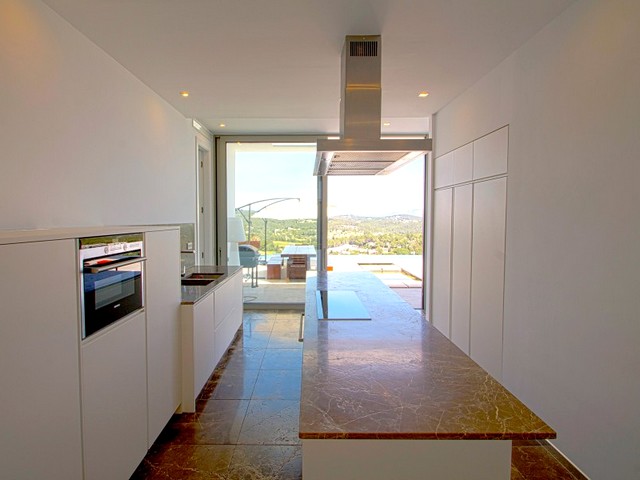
(221, 143)
(221, 254)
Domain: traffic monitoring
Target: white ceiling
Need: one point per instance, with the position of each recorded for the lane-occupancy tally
(273, 66)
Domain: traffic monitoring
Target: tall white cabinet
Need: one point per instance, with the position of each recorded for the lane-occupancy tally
(39, 335)
(163, 328)
(469, 247)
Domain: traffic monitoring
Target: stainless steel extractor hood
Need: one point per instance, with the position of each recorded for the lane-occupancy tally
(360, 150)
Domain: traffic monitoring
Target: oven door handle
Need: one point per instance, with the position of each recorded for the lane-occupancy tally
(122, 263)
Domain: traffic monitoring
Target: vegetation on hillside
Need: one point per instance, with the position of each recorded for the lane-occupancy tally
(348, 235)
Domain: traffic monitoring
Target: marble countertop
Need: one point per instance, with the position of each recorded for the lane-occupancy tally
(193, 293)
(49, 234)
(397, 377)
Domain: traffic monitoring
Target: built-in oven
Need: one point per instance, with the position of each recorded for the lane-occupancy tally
(111, 279)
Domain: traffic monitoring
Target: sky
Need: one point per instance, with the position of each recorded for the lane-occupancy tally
(270, 175)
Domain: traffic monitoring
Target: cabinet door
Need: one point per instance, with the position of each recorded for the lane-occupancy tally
(461, 266)
(39, 361)
(490, 154)
(487, 277)
(228, 313)
(114, 400)
(163, 297)
(442, 260)
(463, 164)
(198, 358)
(443, 170)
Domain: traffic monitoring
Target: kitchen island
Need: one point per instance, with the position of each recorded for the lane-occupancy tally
(391, 397)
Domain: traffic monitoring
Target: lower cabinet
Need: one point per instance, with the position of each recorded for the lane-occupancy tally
(114, 400)
(208, 328)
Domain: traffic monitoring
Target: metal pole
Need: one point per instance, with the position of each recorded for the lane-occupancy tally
(265, 240)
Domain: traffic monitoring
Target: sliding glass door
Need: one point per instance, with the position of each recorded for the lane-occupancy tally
(271, 211)
(376, 223)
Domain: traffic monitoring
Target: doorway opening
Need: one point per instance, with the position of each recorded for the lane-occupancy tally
(271, 219)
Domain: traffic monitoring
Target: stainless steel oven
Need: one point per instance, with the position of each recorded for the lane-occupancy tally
(111, 279)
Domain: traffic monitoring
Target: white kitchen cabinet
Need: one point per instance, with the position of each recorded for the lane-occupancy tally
(39, 361)
(461, 266)
(163, 297)
(443, 170)
(487, 277)
(469, 249)
(441, 296)
(463, 164)
(208, 328)
(490, 154)
(228, 314)
(114, 399)
(198, 356)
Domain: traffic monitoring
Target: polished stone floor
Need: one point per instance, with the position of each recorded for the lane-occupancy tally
(246, 423)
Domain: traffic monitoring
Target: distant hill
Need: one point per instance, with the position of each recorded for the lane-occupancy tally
(348, 234)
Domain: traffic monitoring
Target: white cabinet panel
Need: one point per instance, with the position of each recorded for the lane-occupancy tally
(163, 297)
(442, 260)
(39, 362)
(463, 164)
(114, 400)
(198, 357)
(228, 314)
(461, 266)
(443, 170)
(490, 154)
(487, 282)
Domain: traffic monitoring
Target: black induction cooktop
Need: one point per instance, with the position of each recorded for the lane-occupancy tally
(340, 305)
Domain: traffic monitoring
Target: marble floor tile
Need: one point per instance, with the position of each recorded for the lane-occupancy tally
(218, 422)
(271, 422)
(245, 359)
(278, 384)
(531, 461)
(186, 462)
(267, 462)
(284, 339)
(282, 359)
(235, 384)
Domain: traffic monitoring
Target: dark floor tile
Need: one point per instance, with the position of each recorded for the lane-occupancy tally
(536, 463)
(271, 422)
(245, 358)
(218, 423)
(284, 339)
(235, 384)
(263, 462)
(185, 462)
(254, 339)
(278, 384)
(258, 322)
(282, 359)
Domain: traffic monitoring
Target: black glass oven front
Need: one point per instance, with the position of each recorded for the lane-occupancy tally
(111, 282)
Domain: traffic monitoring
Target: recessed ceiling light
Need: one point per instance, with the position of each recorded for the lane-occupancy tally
(222, 125)
(423, 94)
(386, 124)
(184, 93)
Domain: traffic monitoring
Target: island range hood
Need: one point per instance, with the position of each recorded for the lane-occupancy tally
(360, 150)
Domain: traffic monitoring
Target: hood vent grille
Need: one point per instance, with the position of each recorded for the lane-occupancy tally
(360, 150)
(363, 49)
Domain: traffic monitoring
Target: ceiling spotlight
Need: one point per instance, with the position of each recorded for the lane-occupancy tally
(184, 93)
(423, 94)
(222, 125)
(386, 124)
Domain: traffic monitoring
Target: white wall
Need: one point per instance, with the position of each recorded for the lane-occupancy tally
(572, 296)
(82, 141)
